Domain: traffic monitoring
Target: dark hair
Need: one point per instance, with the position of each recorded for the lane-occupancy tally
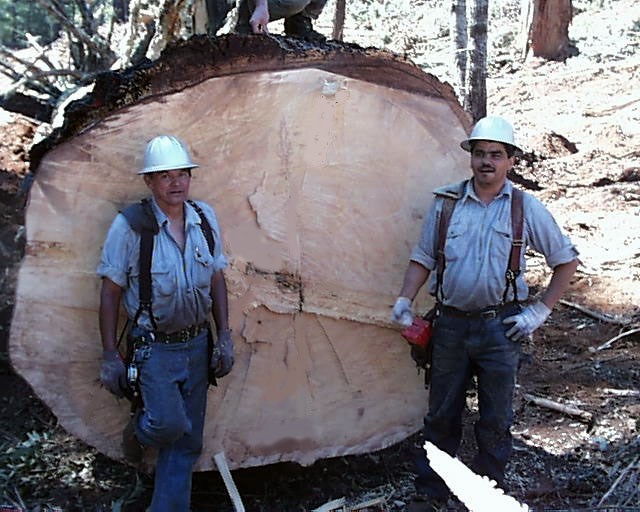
(511, 150)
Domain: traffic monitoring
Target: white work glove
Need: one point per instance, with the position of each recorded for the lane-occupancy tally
(402, 312)
(524, 323)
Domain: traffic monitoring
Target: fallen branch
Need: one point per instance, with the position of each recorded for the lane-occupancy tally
(634, 466)
(338, 504)
(613, 109)
(621, 392)
(565, 409)
(607, 344)
(376, 502)
(604, 317)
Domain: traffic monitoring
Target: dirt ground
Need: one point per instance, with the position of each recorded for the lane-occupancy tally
(579, 121)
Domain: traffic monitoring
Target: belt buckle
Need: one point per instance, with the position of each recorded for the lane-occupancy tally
(489, 314)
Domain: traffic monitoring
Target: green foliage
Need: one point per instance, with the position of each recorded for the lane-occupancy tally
(21, 463)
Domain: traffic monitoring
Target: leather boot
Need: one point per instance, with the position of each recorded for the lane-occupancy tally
(299, 25)
(131, 447)
(244, 15)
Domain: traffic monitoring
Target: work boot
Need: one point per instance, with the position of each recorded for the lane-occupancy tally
(131, 447)
(244, 15)
(299, 25)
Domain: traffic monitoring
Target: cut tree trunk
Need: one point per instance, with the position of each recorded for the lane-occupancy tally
(320, 162)
(475, 99)
(550, 29)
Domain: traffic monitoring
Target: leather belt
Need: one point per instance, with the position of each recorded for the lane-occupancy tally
(181, 336)
(488, 313)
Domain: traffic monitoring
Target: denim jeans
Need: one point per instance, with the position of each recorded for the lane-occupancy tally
(463, 347)
(279, 9)
(173, 384)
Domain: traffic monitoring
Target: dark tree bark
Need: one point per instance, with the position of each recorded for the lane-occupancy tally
(460, 42)
(475, 100)
(550, 29)
(338, 20)
(217, 11)
(29, 106)
(121, 10)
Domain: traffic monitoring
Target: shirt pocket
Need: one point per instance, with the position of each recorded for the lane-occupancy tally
(501, 241)
(202, 270)
(456, 244)
(163, 280)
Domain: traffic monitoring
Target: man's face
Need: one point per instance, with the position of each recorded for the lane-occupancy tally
(169, 188)
(490, 163)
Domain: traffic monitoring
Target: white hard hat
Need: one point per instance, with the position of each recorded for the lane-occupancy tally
(164, 153)
(492, 128)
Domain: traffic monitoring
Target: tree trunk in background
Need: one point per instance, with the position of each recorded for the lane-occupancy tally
(475, 101)
(317, 163)
(460, 42)
(121, 10)
(217, 11)
(550, 29)
(338, 20)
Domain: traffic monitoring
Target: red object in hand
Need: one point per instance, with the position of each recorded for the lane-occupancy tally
(419, 332)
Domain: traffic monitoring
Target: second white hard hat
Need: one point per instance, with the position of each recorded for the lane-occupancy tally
(492, 128)
(165, 153)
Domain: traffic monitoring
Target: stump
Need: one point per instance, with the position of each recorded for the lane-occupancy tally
(320, 163)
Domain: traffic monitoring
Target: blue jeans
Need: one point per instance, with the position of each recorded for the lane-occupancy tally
(173, 383)
(463, 347)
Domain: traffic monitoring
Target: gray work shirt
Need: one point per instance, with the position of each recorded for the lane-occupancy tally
(478, 246)
(180, 281)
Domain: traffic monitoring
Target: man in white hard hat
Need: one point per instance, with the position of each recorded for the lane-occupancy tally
(483, 311)
(171, 353)
(254, 15)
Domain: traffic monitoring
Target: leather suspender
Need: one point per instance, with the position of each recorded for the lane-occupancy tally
(517, 241)
(204, 226)
(142, 220)
(448, 205)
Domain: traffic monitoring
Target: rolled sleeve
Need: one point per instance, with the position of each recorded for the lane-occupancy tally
(546, 237)
(114, 263)
(564, 255)
(424, 252)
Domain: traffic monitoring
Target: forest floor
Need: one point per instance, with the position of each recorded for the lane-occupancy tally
(579, 121)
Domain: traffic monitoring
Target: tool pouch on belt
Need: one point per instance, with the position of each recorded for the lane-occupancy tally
(418, 334)
(211, 375)
(137, 337)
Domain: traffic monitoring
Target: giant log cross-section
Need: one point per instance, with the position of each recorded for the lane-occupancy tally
(320, 162)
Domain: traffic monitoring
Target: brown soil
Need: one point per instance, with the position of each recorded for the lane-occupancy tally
(580, 122)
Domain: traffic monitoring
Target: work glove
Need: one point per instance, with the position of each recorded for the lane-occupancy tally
(402, 312)
(527, 321)
(113, 374)
(222, 357)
